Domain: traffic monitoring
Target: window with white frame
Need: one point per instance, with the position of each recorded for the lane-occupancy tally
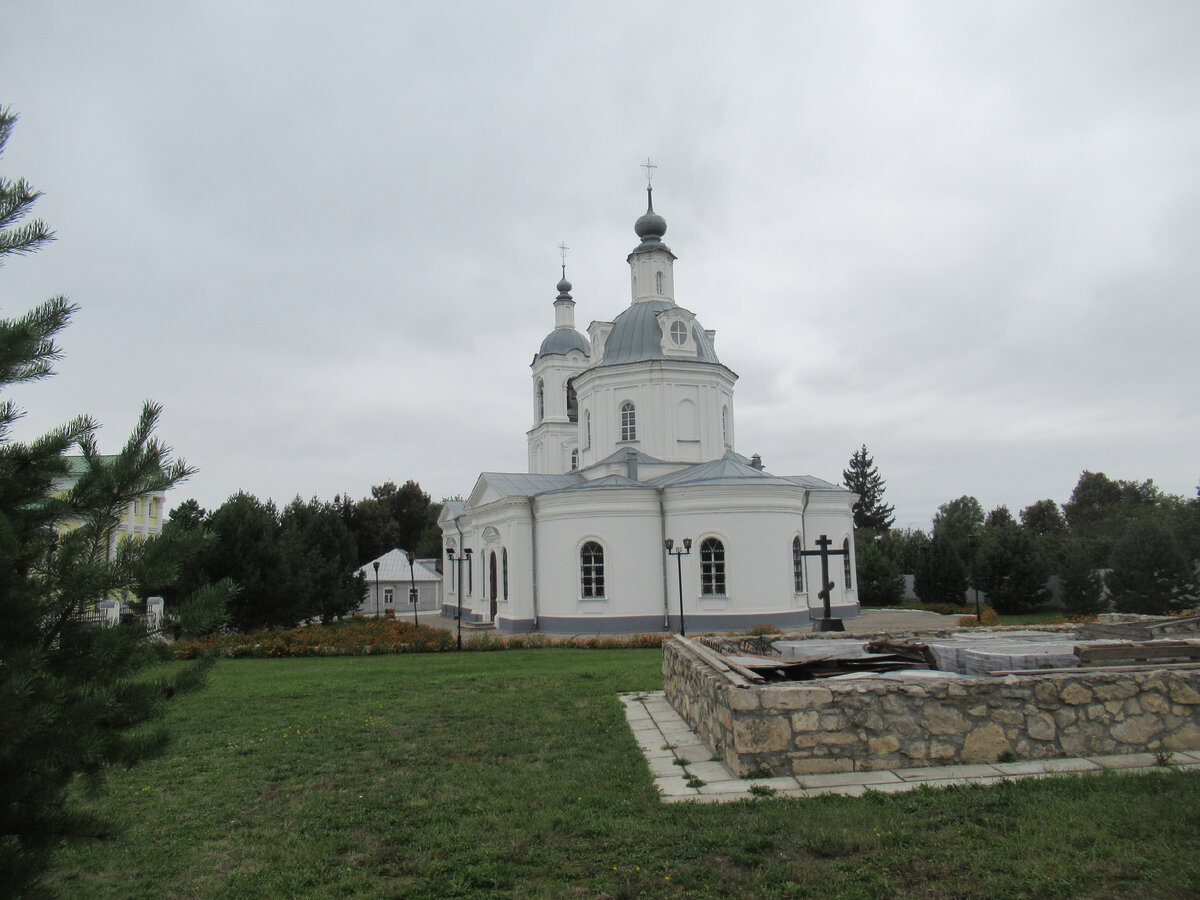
(389, 596)
(712, 568)
(591, 570)
(540, 401)
(628, 422)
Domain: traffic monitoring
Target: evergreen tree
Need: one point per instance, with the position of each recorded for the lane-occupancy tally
(1150, 574)
(319, 561)
(1011, 569)
(1082, 586)
(880, 582)
(863, 478)
(74, 698)
(941, 576)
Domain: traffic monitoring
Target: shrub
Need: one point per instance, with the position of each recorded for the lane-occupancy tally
(368, 637)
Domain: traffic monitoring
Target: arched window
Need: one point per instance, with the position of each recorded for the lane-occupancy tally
(572, 402)
(504, 562)
(574, 460)
(678, 333)
(628, 422)
(587, 429)
(712, 568)
(725, 425)
(591, 569)
(846, 561)
(797, 566)
(541, 401)
(658, 281)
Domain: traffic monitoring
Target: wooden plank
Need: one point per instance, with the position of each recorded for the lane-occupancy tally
(1093, 669)
(1147, 650)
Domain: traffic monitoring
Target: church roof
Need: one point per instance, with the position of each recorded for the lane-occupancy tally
(636, 336)
(521, 484)
(813, 482)
(608, 482)
(731, 468)
(562, 341)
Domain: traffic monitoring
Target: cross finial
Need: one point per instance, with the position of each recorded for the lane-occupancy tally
(562, 251)
(649, 167)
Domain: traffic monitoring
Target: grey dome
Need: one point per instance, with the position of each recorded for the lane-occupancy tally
(564, 289)
(562, 341)
(636, 336)
(650, 227)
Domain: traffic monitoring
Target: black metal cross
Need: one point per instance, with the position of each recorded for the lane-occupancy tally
(827, 622)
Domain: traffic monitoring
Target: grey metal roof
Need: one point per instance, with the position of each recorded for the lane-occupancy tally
(608, 482)
(520, 484)
(621, 455)
(812, 481)
(562, 341)
(636, 336)
(393, 566)
(729, 469)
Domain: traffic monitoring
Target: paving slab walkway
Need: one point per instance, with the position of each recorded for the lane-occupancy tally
(684, 769)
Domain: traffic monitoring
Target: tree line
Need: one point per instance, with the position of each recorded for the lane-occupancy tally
(1124, 545)
(285, 566)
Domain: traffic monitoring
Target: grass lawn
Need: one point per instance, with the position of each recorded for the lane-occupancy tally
(513, 774)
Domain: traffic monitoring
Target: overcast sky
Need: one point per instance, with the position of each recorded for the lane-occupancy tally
(324, 235)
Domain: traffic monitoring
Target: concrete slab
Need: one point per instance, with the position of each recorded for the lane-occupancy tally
(664, 767)
(674, 786)
(1124, 760)
(1046, 766)
(779, 783)
(929, 773)
(712, 772)
(737, 786)
(840, 779)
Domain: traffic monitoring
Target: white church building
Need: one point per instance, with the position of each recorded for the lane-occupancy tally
(632, 446)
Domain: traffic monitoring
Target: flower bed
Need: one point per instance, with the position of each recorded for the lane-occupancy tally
(369, 637)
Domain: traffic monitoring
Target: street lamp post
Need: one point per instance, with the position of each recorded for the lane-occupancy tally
(376, 565)
(679, 554)
(412, 588)
(465, 554)
(973, 543)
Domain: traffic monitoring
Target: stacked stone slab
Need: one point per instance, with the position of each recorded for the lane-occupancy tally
(982, 653)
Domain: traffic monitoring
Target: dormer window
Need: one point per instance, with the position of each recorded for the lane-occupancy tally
(678, 334)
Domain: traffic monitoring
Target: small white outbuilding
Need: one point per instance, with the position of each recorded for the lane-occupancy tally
(391, 591)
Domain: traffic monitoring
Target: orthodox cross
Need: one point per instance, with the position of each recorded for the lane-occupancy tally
(562, 251)
(828, 622)
(649, 167)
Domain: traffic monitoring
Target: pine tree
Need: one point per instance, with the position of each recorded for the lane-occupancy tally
(870, 512)
(74, 698)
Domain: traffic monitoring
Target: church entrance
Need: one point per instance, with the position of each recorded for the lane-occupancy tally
(492, 583)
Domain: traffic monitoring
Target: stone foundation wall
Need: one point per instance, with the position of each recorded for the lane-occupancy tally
(796, 728)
